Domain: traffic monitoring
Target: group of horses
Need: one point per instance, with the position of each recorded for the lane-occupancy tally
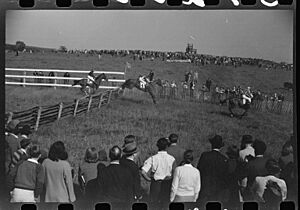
(234, 101)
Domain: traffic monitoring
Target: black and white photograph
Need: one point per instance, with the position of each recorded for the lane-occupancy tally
(150, 106)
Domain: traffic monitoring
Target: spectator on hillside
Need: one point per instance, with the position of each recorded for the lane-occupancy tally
(88, 168)
(213, 168)
(256, 166)
(22, 153)
(186, 181)
(59, 183)
(174, 149)
(161, 167)
(12, 143)
(27, 178)
(115, 181)
(130, 154)
(246, 148)
(261, 183)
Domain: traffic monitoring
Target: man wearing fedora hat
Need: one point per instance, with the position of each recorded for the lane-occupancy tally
(130, 154)
(213, 169)
(161, 167)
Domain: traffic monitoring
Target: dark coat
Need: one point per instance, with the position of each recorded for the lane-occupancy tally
(213, 168)
(256, 167)
(115, 184)
(12, 144)
(135, 173)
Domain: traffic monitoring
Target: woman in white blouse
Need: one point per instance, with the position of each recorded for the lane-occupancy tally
(186, 181)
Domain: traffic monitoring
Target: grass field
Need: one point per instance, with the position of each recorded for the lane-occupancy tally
(130, 114)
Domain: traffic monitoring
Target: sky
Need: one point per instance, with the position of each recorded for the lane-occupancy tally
(266, 34)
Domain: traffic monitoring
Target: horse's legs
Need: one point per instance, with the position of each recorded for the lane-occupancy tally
(152, 96)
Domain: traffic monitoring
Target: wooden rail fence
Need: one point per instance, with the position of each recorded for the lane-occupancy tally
(42, 115)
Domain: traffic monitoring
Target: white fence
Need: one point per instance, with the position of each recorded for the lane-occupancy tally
(55, 78)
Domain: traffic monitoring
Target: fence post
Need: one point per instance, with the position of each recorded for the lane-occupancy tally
(89, 104)
(76, 106)
(60, 110)
(38, 118)
(24, 79)
(109, 97)
(55, 80)
(100, 101)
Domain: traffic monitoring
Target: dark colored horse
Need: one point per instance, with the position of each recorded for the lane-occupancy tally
(87, 87)
(235, 105)
(149, 88)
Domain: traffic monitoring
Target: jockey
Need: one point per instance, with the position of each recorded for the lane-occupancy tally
(143, 81)
(91, 77)
(150, 76)
(247, 96)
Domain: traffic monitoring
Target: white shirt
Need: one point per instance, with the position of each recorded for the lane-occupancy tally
(260, 183)
(249, 150)
(186, 181)
(161, 165)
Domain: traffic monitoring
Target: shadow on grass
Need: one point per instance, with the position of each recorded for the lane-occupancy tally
(133, 100)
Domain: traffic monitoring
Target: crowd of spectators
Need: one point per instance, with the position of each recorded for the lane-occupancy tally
(239, 174)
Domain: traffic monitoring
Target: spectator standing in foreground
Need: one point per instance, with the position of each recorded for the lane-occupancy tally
(22, 153)
(213, 169)
(27, 179)
(246, 147)
(161, 167)
(115, 181)
(186, 181)
(174, 149)
(129, 161)
(58, 173)
(88, 168)
(25, 132)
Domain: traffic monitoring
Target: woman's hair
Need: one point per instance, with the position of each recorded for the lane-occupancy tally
(91, 155)
(34, 151)
(188, 156)
(57, 151)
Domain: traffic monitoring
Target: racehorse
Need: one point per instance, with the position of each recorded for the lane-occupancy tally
(235, 105)
(149, 88)
(86, 87)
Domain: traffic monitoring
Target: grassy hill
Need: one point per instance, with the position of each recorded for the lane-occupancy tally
(135, 114)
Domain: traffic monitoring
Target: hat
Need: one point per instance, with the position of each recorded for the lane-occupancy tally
(216, 141)
(129, 139)
(130, 148)
(25, 142)
(12, 125)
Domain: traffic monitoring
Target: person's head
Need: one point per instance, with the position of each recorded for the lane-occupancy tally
(216, 142)
(246, 140)
(44, 155)
(57, 151)
(12, 126)
(173, 138)
(162, 144)
(287, 148)
(129, 139)
(259, 147)
(115, 153)
(272, 167)
(34, 151)
(188, 156)
(130, 149)
(25, 143)
(102, 155)
(25, 130)
(91, 155)
(232, 152)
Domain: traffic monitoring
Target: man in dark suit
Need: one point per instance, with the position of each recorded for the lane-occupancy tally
(115, 181)
(256, 166)
(213, 169)
(175, 150)
(128, 160)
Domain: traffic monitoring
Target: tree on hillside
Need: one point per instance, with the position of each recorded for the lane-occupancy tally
(62, 49)
(20, 46)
